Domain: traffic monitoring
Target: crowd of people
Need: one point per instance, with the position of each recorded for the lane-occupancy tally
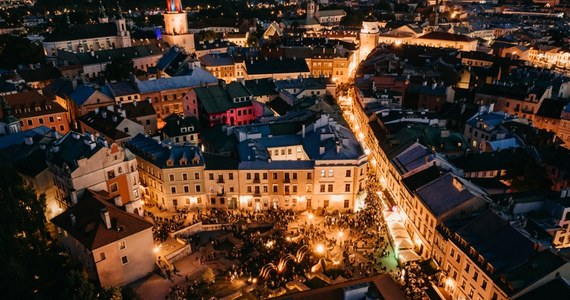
(415, 282)
(280, 253)
(163, 226)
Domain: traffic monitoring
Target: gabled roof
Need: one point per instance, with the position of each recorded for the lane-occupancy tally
(211, 60)
(122, 88)
(197, 78)
(552, 108)
(491, 119)
(159, 154)
(215, 99)
(59, 87)
(82, 94)
(280, 106)
(105, 122)
(80, 32)
(497, 160)
(421, 178)
(508, 251)
(28, 159)
(261, 87)
(442, 196)
(512, 91)
(276, 66)
(348, 146)
(103, 56)
(175, 122)
(90, 229)
(18, 137)
(138, 109)
(171, 60)
(412, 158)
(72, 147)
(30, 104)
(237, 90)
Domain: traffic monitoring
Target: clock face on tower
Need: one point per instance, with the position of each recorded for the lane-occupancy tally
(173, 5)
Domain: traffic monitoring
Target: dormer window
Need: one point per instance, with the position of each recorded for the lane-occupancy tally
(170, 163)
(183, 162)
(191, 128)
(183, 129)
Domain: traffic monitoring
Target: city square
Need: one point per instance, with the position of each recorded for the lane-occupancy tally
(291, 252)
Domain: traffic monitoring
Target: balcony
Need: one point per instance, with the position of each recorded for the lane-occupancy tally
(287, 193)
(220, 180)
(286, 180)
(256, 180)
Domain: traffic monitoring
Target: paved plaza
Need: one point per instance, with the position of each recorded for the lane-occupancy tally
(297, 251)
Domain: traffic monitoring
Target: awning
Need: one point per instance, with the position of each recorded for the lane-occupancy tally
(401, 233)
(391, 216)
(403, 244)
(396, 226)
(405, 256)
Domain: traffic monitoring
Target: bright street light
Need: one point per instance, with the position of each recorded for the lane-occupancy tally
(320, 249)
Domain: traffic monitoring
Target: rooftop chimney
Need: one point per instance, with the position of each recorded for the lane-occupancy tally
(106, 217)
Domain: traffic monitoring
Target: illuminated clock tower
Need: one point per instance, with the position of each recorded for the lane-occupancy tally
(176, 27)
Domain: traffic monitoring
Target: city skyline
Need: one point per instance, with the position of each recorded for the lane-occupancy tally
(285, 149)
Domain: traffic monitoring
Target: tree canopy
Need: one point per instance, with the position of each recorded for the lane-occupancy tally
(120, 68)
(28, 262)
(15, 50)
(33, 266)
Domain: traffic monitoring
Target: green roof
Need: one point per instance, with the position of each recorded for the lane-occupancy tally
(237, 90)
(215, 99)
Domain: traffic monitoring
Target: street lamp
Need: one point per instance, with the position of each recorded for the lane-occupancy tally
(320, 249)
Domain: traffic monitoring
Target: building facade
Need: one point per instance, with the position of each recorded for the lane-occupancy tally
(79, 162)
(114, 247)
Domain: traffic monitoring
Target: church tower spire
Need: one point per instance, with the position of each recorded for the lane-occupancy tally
(119, 11)
(102, 15)
(173, 5)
